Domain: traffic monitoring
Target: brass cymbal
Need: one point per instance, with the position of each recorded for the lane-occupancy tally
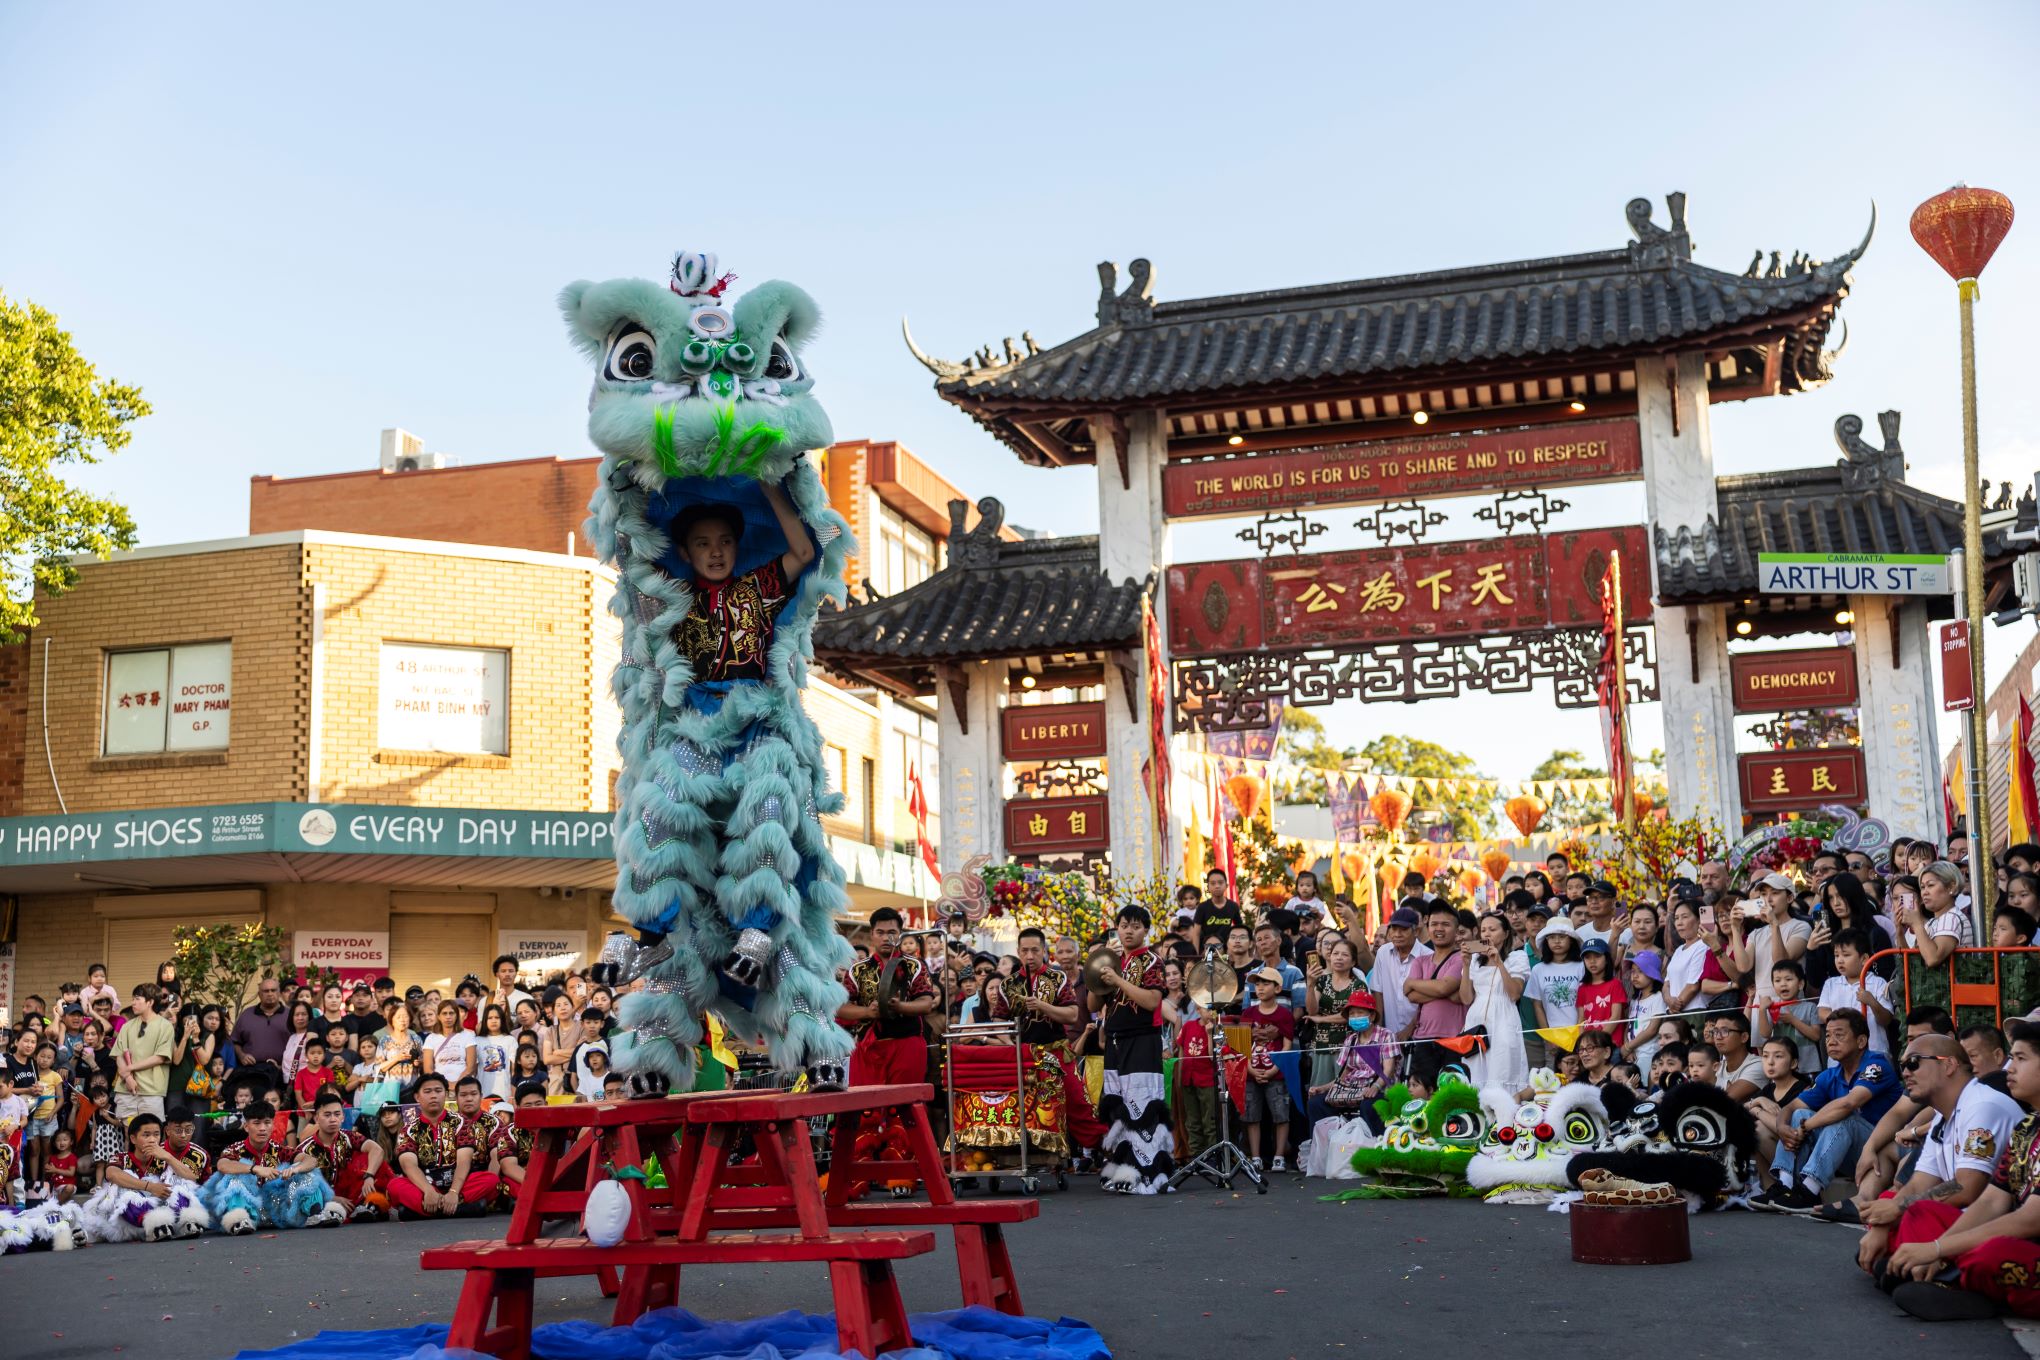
(1212, 984)
(1094, 971)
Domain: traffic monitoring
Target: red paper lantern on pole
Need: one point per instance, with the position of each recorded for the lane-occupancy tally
(1962, 229)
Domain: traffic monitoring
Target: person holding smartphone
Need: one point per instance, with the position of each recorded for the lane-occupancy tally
(1767, 931)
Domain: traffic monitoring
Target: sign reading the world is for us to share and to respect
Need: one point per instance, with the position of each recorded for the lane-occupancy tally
(1389, 469)
(301, 828)
(1854, 574)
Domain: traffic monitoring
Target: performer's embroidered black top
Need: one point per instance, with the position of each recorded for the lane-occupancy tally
(728, 629)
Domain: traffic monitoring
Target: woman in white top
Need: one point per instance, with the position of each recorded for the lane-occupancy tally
(449, 1049)
(1936, 926)
(1489, 989)
(1687, 986)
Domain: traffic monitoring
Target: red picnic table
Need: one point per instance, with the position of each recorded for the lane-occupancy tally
(711, 1211)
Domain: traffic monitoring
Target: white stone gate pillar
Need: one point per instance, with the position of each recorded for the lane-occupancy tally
(973, 775)
(1894, 671)
(1134, 544)
(1692, 641)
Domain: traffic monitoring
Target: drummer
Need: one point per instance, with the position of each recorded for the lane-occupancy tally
(1042, 998)
(892, 1039)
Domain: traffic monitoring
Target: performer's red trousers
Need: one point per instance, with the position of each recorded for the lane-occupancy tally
(1085, 1129)
(2006, 1269)
(476, 1189)
(888, 1062)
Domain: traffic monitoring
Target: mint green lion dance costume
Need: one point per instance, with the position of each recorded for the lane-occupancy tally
(1424, 1148)
(698, 406)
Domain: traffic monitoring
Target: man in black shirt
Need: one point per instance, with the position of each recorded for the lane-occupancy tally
(1217, 914)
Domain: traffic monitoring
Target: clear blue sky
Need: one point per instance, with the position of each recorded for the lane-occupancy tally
(294, 226)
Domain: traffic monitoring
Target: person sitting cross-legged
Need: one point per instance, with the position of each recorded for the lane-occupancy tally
(436, 1156)
(1972, 1124)
(348, 1161)
(513, 1144)
(1827, 1126)
(1973, 1262)
(258, 1179)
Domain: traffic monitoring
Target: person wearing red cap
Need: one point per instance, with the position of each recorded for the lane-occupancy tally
(1361, 1073)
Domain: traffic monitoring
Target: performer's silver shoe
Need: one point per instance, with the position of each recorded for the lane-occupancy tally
(829, 1075)
(746, 964)
(623, 960)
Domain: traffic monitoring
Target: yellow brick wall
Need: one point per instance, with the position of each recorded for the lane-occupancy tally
(253, 598)
(544, 615)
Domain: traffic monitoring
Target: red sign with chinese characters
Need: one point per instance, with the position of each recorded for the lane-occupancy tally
(1779, 781)
(1807, 677)
(1465, 589)
(1426, 465)
(1053, 731)
(1045, 826)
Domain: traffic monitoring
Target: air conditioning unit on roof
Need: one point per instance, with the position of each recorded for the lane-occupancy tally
(403, 451)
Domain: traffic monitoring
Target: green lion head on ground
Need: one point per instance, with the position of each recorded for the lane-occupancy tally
(691, 384)
(1425, 1147)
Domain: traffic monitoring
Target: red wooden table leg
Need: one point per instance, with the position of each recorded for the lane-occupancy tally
(928, 1157)
(870, 1318)
(702, 1177)
(524, 1217)
(471, 1312)
(797, 1164)
(842, 1153)
(1005, 1284)
(511, 1336)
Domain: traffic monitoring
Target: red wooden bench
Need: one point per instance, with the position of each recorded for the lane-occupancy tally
(870, 1315)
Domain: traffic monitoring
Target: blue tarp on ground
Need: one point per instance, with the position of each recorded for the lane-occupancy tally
(676, 1334)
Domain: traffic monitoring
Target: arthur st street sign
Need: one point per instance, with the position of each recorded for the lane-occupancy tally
(1854, 574)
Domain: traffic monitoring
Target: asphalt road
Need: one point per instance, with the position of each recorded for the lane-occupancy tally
(1200, 1274)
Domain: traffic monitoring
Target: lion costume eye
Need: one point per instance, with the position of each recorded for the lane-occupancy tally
(631, 354)
(781, 365)
(1700, 1128)
(1579, 1129)
(1465, 1126)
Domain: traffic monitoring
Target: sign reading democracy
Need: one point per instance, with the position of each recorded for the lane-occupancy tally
(303, 828)
(1854, 574)
(1805, 677)
(1528, 582)
(1439, 465)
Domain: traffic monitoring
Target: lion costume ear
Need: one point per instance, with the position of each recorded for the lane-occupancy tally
(776, 307)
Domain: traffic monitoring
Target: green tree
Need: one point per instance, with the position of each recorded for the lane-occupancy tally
(55, 410)
(1568, 811)
(1303, 743)
(1566, 765)
(220, 965)
(1467, 813)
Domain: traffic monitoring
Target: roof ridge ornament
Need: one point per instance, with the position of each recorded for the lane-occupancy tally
(1864, 465)
(943, 369)
(978, 547)
(1135, 306)
(1656, 247)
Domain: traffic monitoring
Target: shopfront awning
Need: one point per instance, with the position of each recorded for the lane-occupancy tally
(305, 843)
(244, 843)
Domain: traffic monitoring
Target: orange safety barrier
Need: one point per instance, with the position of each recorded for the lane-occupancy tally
(1945, 984)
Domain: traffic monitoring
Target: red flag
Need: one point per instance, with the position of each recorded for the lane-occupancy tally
(2024, 798)
(1158, 773)
(1221, 841)
(917, 805)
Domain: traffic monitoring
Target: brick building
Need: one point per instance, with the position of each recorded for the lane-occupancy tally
(380, 733)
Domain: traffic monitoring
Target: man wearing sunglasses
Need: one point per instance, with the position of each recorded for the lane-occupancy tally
(1972, 1125)
(1977, 1261)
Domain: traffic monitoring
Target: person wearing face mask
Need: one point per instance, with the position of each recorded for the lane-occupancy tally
(1359, 1071)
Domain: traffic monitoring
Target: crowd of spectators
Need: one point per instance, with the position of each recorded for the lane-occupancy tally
(1783, 992)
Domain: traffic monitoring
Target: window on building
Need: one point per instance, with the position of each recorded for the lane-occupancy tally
(452, 699)
(906, 555)
(169, 699)
(836, 763)
(870, 800)
(914, 736)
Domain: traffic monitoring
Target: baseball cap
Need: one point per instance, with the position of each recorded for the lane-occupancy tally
(1538, 909)
(1601, 886)
(1648, 964)
(1775, 880)
(1363, 1000)
(1265, 975)
(1404, 916)
(1596, 947)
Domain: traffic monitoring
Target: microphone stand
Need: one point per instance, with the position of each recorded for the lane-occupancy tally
(1224, 1160)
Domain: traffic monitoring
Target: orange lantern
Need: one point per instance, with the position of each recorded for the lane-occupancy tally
(1644, 804)
(1273, 895)
(1496, 862)
(1470, 881)
(1390, 807)
(1526, 812)
(1244, 791)
(1353, 865)
(1427, 864)
(1391, 880)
